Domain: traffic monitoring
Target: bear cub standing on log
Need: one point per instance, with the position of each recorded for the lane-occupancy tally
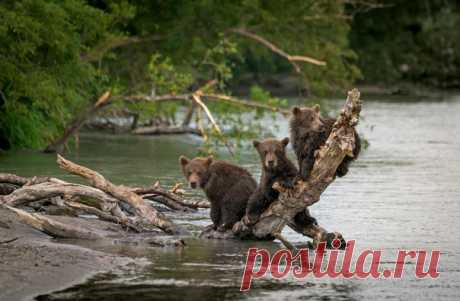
(309, 131)
(227, 186)
(276, 167)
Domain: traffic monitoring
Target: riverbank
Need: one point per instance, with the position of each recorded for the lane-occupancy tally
(34, 264)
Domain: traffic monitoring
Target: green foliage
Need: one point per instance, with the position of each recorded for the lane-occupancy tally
(42, 77)
(415, 41)
(195, 36)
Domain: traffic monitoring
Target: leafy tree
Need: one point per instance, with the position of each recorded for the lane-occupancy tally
(43, 79)
(416, 41)
(57, 55)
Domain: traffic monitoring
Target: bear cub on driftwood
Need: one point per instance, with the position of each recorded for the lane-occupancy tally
(276, 167)
(309, 131)
(227, 186)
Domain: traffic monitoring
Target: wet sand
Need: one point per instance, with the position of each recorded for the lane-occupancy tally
(34, 264)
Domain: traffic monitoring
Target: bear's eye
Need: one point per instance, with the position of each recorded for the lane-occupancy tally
(189, 173)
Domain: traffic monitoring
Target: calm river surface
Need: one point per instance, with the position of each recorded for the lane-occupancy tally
(402, 193)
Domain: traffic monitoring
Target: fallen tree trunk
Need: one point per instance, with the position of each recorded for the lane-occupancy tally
(47, 190)
(161, 130)
(54, 228)
(148, 215)
(290, 202)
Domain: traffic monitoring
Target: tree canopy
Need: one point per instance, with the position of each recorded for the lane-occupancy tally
(58, 56)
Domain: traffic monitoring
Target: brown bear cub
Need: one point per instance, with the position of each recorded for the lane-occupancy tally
(309, 131)
(276, 167)
(227, 186)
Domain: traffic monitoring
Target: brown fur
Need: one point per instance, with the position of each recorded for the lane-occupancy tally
(227, 186)
(309, 131)
(276, 167)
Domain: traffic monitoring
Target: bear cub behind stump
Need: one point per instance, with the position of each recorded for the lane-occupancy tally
(276, 167)
(309, 131)
(227, 186)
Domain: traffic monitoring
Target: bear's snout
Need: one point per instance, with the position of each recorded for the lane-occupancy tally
(194, 180)
(270, 160)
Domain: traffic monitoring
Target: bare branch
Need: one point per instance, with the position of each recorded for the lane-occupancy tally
(196, 97)
(293, 59)
(161, 130)
(245, 103)
(157, 190)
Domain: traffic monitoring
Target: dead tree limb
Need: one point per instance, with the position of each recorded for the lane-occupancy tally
(245, 103)
(293, 59)
(161, 130)
(167, 202)
(114, 218)
(174, 198)
(149, 215)
(339, 144)
(54, 228)
(76, 124)
(197, 98)
(207, 97)
(47, 190)
(20, 181)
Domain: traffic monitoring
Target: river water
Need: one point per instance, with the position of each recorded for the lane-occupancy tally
(402, 193)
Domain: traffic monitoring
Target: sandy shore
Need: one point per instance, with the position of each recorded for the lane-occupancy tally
(33, 264)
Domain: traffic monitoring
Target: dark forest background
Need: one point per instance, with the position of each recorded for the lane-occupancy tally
(58, 56)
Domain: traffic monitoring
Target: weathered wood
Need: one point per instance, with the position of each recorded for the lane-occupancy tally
(161, 130)
(174, 198)
(20, 181)
(123, 220)
(54, 228)
(47, 190)
(148, 214)
(339, 144)
(167, 202)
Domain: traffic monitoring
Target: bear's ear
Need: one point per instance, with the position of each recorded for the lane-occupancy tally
(183, 160)
(295, 110)
(285, 141)
(209, 160)
(256, 143)
(316, 108)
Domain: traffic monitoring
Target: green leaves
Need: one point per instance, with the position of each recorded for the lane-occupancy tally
(42, 76)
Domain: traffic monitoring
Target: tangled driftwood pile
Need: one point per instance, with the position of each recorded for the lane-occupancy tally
(127, 206)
